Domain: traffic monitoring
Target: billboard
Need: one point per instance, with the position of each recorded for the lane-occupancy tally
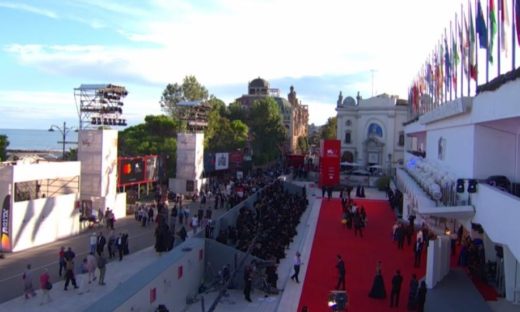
(221, 161)
(131, 170)
(330, 151)
(152, 168)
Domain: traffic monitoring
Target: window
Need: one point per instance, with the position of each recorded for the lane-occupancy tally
(347, 137)
(348, 123)
(401, 138)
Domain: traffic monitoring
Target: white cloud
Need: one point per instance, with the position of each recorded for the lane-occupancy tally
(234, 41)
(29, 8)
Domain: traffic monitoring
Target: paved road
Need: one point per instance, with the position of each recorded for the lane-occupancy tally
(46, 256)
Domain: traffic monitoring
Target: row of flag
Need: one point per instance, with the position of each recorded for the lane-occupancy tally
(454, 60)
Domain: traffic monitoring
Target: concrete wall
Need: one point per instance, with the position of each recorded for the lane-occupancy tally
(495, 153)
(40, 221)
(172, 278)
(458, 151)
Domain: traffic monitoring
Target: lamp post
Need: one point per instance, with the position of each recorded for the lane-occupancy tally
(64, 130)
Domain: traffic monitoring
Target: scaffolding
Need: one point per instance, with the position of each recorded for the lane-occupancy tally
(100, 105)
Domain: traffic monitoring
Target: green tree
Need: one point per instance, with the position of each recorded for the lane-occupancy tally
(267, 131)
(4, 143)
(303, 145)
(218, 109)
(230, 135)
(328, 131)
(189, 90)
(156, 136)
(235, 111)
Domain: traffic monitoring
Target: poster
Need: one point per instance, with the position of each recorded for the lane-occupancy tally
(329, 162)
(221, 161)
(6, 210)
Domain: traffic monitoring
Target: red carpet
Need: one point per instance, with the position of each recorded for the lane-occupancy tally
(488, 292)
(360, 256)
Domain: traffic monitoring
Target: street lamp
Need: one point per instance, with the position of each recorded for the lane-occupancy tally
(64, 130)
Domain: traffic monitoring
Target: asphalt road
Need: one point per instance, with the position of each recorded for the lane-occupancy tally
(46, 256)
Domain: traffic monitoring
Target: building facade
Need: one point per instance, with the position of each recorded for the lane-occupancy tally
(371, 131)
(295, 116)
(463, 169)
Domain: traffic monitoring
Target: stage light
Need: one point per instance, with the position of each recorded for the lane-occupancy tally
(472, 186)
(460, 185)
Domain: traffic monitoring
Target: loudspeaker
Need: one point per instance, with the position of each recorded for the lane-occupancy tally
(472, 186)
(460, 185)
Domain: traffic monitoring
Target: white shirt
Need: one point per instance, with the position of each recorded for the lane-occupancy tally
(297, 260)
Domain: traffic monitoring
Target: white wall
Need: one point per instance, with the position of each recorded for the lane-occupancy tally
(40, 221)
(43, 171)
(495, 152)
(170, 289)
(459, 149)
(498, 212)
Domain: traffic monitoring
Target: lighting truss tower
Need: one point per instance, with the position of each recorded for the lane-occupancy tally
(194, 113)
(100, 105)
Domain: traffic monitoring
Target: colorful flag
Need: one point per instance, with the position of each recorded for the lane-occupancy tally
(463, 45)
(504, 18)
(473, 69)
(447, 64)
(481, 27)
(454, 57)
(492, 29)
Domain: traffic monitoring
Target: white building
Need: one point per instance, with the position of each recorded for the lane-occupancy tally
(371, 131)
(467, 141)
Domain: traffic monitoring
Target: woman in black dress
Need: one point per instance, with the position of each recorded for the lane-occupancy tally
(412, 294)
(378, 290)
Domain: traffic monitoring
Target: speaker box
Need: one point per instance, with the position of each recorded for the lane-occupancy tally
(500, 182)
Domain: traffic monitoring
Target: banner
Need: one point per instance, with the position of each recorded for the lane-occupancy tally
(329, 162)
(152, 168)
(131, 171)
(221, 161)
(6, 210)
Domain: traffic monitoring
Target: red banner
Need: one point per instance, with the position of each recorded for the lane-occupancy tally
(329, 162)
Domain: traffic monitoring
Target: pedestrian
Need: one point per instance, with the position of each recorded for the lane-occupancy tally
(248, 280)
(69, 273)
(119, 245)
(101, 264)
(28, 283)
(69, 254)
(297, 264)
(417, 252)
(378, 290)
(111, 245)
(46, 286)
(93, 242)
(421, 297)
(397, 280)
(61, 260)
(83, 277)
(412, 293)
(101, 242)
(91, 267)
(340, 265)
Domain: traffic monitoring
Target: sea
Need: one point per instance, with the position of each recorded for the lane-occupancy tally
(38, 140)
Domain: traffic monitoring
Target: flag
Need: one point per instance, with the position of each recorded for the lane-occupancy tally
(481, 27)
(463, 45)
(447, 64)
(454, 60)
(504, 18)
(492, 29)
(473, 69)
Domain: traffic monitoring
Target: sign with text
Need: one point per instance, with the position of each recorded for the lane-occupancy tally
(330, 151)
(221, 161)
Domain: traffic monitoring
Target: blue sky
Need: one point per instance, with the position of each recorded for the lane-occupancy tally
(48, 48)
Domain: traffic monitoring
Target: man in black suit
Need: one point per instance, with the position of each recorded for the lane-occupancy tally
(397, 280)
(340, 265)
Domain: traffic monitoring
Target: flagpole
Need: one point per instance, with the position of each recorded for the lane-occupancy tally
(513, 33)
(462, 54)
(500, 11)
(476, 51)
(451, 65)
(489, 35)
(469, 48)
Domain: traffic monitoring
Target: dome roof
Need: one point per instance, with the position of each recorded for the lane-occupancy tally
(259, 83)
(349, 101)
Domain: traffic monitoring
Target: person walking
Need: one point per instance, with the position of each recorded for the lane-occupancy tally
(397, 280)
(61, 260)
(421, 297)
(412, 293)
(46, 286)
(93, 242)
(248, 280)
(340, 266)
(69, 273)
(101, 242)
(91, 267)
(378, 290)
(297, 264)
(119, 245)
(28, 283)
(101, 264)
